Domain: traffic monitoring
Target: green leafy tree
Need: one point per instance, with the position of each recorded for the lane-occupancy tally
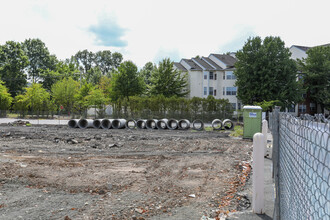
(265, 72)
(96, 99)
(316, 75)
(146, 71)
(12, 64)
(39, 58)
(64, 92)
(85, 59)
(5, 98)
(94, 75)
(20, 104)
(126, 81)
(36, 98)
(107, 61)
(167, 81)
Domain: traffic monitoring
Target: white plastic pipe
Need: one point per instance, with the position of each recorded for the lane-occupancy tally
(97, 123)
(228, 124)
(258, 174)
(73, 123)
(198, 125)
(118, 123)
(184, 124)
(141, 124)
(162, 123)
(264, 132)
(85, 123)
(151, 123)
(172, 124)
(106, 123)
(130, 124)
(217, 124)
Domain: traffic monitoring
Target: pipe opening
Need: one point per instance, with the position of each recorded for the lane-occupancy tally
(82, 123)
(73, 123)
(151, 124)
(228, 124)
(106, 124)
(97, 123)
(172, 124)
(184, 124)
(130, 124)
(116, 124)
(141, 124)
(161, 124)
(217, 124)
(198, 125)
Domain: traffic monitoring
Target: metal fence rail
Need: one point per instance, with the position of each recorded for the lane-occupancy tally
(303, 164)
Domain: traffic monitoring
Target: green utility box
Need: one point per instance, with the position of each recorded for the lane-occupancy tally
(252, 119)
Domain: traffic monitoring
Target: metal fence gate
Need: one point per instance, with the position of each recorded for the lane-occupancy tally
(301, 162)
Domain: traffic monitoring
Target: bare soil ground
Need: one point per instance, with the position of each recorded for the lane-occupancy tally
(53, 172)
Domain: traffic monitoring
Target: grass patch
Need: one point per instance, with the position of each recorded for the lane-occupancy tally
(237, 132)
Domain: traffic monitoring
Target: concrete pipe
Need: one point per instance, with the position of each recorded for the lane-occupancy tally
(184, 124)
(119, 123)
(228, 124)
(85, 123)
(198, 125)
(106, 123)
(73, 123)
(172, 124)
(162, 124)
(151, 123)
(141, 124)
(97, 123)
(217, 124)
(130, 124)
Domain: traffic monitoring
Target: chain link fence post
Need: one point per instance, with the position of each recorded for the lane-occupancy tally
(275, 158)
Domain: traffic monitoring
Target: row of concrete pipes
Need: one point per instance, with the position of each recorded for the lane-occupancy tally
(171, 124)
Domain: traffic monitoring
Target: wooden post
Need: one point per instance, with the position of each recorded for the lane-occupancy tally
(258, 174)
(264, 132)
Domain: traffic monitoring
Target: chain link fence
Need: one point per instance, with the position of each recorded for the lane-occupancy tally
(301, 158)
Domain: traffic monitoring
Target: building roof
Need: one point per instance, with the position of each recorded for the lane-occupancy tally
(193, 66)
(227, 59)
(304, 48)
(213, 64)
(179, 66)
(202, 64)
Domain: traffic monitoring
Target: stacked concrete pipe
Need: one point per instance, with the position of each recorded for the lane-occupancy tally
(162, 124)
(141, 124)
(217, 124)
(184, 124)
(152, 123)
(172, 124)
(73, 123)
(85, 123)
(97, 123)
(118, 123)
(228, 124)
(198, 125)
(106, 123)
(129, 122)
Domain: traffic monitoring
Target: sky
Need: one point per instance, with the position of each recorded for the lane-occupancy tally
(151, 30)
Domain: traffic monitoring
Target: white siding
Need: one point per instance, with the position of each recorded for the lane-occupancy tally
(297, 53)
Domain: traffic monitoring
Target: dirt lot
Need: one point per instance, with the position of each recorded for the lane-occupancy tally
(53, 172)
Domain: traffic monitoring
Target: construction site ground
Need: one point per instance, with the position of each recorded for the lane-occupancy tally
(54, 172)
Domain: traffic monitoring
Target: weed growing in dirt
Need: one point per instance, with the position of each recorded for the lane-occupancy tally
(237, 132)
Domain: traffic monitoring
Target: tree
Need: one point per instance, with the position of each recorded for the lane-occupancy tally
(39, 58)
(36, 97)
(146, 71)
(167, 81)
(265, 72)
(126, 81)
(107, 61)
(12, 63)
(64, 92)
(316, 75)
(5, 98)
(85, 59)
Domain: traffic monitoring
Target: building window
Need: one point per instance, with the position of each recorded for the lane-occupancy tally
(210, 90)
(302, 108)
(304, 95)
(224, 75)
(292, 108)
(211, 75)
(231, 90)
(215, 92)
(233, 105)
(205, 90)
(205, 76)
(230, 75)
(239, 106)
(224, 91)
(312, 107)
(215, 76)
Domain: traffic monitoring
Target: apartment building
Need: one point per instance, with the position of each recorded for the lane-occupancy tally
(212, 75)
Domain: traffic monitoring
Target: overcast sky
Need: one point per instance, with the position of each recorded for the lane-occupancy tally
(150, 30)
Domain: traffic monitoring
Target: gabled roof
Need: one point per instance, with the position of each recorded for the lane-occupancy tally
(179, 66)
(193, 66)
(204, 65)
(210, 62)
(304, 48)
(227, 59)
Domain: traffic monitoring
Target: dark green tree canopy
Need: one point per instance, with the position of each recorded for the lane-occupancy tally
(316, 75)
(13, 61)
(146, 71)
(265, 72)
(126, 81)
(167, 81)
